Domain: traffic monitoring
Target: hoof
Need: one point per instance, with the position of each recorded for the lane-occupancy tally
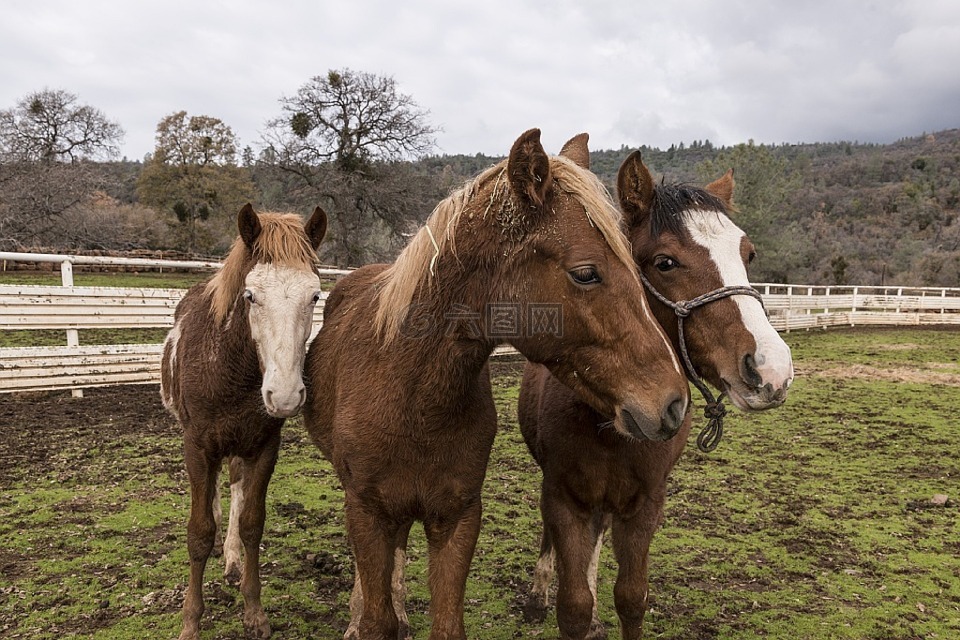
(353, 632)
(597, 631)
(534, 611)
(256, 626)
(232, 575)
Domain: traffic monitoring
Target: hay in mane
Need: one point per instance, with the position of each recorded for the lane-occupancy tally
(416, 263)
(282, 241)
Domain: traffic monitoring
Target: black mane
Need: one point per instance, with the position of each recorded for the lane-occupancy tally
(673, 202)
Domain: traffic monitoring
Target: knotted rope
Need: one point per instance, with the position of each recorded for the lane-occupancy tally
(714, 412)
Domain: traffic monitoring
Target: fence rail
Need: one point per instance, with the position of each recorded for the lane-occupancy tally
(792, 307)
(70, 309)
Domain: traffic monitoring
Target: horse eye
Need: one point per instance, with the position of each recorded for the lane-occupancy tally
(665, 263)
(751, 257)
(316, 297)
(585, 275)
(248, 295)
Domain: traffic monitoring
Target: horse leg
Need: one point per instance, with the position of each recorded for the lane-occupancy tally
(201, 532)
(256, 478)
(543, 573)
(218, 521)
(398, 583)
(574, 533)
(232, 545)
(372, 536)
(601, 522)
(398, 587)
(451, 546)
(631, 545)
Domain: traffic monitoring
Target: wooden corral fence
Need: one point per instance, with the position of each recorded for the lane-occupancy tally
(68, 308)
(792, 306)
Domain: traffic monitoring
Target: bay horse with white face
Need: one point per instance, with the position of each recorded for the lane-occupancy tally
(232, 371)
(687, 249)
(530, 252)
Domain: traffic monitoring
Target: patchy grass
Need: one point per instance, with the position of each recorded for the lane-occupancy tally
(813, 521)
(53, 337)
(147, 279)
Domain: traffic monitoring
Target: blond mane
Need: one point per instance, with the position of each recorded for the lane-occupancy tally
(398, 283)
(282, 241)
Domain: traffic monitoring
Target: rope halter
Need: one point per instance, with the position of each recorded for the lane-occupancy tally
(714, 412)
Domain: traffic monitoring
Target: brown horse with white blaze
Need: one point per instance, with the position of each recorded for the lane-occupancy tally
(530, 252)
(687, 249)
(232, 371)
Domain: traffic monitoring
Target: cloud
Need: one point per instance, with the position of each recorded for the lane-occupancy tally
(628, 72)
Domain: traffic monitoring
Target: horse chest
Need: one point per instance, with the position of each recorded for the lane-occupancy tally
(610, 475)
(415, 473)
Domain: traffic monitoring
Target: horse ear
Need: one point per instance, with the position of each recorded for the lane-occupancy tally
(576, 149)
(249, 224)
(723, 188)
(635, 189)
(528, 170)
(316, 227)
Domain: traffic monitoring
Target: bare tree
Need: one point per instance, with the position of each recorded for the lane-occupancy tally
(343, 137)
(50, 126)
(101, 222)
(47, 143)
(35, 195)
(350, 118)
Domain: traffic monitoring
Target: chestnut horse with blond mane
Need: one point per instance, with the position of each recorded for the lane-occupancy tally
(532, 253)
(232, 371)
(687, 249)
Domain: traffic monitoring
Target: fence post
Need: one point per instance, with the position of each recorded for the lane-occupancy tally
(853, 310)
(73, 335)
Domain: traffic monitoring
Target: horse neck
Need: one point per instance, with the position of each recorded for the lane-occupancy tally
(229, 353)
(452, 351)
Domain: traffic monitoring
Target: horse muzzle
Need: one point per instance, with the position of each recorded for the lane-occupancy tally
(284, 403)
(634, 422)
(759, 398)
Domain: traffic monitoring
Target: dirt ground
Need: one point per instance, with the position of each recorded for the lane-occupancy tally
(34, 427)
(34, 430)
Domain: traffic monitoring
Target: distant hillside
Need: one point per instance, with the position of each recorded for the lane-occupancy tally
(844, 212)
(828, 213)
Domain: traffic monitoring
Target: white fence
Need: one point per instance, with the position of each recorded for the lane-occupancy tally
(70, 309)
(793, 306)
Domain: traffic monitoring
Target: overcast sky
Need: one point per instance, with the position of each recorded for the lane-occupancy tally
(627, 71)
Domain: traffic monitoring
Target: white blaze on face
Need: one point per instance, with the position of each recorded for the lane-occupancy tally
(722, 238)
(281, 303)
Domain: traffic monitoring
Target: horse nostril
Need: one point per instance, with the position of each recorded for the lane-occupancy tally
(672, 417)
(749, 373)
